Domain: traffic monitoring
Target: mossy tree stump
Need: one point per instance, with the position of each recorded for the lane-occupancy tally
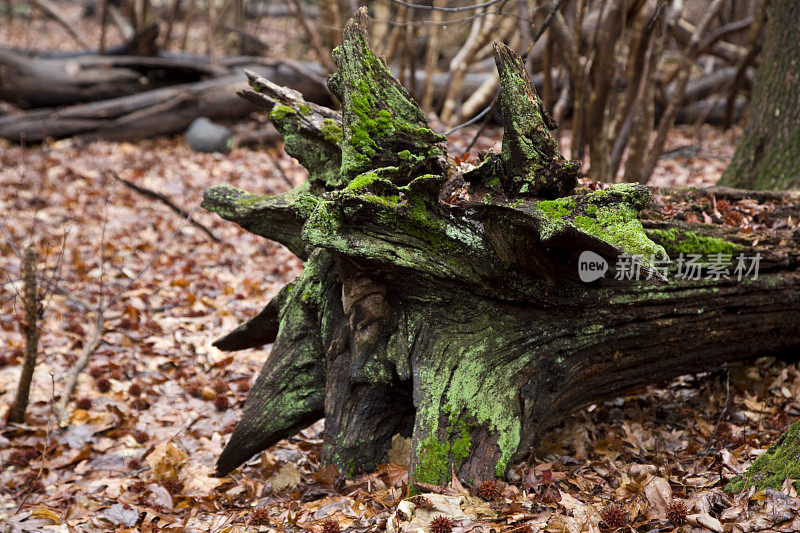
(442, 301)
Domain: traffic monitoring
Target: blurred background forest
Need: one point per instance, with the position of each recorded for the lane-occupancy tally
(617, 75)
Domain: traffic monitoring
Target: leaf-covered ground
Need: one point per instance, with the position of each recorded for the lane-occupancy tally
(156, 403)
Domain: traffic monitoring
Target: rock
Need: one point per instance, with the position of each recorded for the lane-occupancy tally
(206, 136)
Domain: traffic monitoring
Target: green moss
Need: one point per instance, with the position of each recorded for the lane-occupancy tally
(304, 205)
(433, 457)
(279, 112)
(557, 209)
(462, 443)
(772, 468)
(323, 161)
(435, 454)
(610, 215)
(676, 242)
(305, 110)
(408, 157)
(331, 131)
(359, 182)
(379, 112)
(620, 226)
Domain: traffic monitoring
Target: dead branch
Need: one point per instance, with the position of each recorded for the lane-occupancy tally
(149, 193)
(316, 43)
(667, 119)
(479, 35)
(50, 10)
(753, 49)
(683, 31)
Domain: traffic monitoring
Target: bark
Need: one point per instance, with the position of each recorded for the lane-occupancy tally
(768, 155)
(443, 302)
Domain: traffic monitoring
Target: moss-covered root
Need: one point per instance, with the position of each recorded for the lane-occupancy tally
(279, 217)
(311, 133)
(530, 162)
(465, 421)
(382, 125)
(771, 469)
(468, 366)
(288, 394)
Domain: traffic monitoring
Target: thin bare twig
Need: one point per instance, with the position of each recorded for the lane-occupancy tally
(471, 121)
(445, 9)
(61, 412)
(543, 27)
(166, 201)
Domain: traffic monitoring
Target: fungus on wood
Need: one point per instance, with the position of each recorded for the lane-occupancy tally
(442, 301)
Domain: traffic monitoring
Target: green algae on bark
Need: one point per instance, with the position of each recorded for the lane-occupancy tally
(610, 215)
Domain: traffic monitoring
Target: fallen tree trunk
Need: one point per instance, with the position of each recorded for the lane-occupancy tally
(163, 111)
(32, 82)
(124, 86)
(453, 303)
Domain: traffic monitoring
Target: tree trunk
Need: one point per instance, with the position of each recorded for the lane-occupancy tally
(768, 155)
(443, 301)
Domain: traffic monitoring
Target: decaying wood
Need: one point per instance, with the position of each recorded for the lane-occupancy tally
(443, 301)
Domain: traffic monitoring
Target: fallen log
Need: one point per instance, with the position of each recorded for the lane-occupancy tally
(146, 94)
(163, 111)
(472, 306)
(34, 82)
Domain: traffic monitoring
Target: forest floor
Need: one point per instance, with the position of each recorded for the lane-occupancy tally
(157, 402)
